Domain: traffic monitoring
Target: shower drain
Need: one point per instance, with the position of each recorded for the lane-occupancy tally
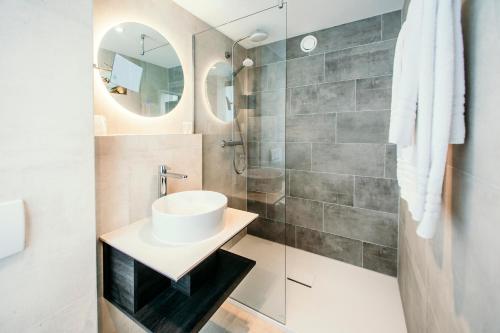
(301, 283)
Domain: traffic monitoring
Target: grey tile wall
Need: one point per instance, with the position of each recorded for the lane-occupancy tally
(341, 196)
(360, 62)
(363, 127)
(349, 158)
(323, 98)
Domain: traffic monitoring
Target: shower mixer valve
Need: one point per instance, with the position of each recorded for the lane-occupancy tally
(230, 143)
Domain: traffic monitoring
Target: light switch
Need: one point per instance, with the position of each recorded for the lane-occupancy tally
(12, 228)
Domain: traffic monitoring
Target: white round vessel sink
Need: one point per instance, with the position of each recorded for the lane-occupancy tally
(186, 217)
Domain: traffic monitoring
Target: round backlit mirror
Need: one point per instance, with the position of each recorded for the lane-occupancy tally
(140, 69)
(219, 91)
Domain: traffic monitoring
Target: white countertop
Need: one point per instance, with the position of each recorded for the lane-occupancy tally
(174, 261)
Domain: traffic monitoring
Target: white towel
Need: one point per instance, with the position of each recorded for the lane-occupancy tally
(422, 152)
(448, 109)
(457, 135)
(405, 78)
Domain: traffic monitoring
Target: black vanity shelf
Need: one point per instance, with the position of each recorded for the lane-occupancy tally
(159, 304)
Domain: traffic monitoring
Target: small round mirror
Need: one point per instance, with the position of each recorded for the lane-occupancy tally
(219, 91)
(140, 69)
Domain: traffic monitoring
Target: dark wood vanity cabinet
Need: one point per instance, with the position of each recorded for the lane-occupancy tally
(159, 304)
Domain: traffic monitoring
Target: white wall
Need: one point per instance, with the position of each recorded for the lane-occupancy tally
(178, 26)
(47, 159)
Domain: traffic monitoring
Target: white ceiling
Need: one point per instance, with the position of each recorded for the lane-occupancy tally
(126, 39)
(303, 15)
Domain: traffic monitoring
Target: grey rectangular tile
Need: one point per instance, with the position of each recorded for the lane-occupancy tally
(355, 159)
(298, 156)
(267, 180)
(305, 213)
(276, 76)
(276, 206)
(269, 53)
(257, 78)
(254, 129)
(328, 245)
(390, 161)
(267, 229)
(266, 128)
(363, 127)
(256, 203)
(323, 98)
(253, 153)
(305, 71)
(374, 93)
(272, 154)
(380, 259)
(311, 128)
(349, 35)
(269, 103)
(377, 194)
(304, 100)
(391, 24)
(336, 96)
(287, 182)
(293, 49)
(339, 37)
(360, 62)
(290, 235)
(362, 224)
(322, 186)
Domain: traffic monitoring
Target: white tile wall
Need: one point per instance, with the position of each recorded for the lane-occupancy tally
(47, 159)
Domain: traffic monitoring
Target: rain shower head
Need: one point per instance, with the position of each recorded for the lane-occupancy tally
(255, 37)
(258, 36)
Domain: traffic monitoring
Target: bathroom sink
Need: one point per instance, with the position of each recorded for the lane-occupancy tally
(190, 216)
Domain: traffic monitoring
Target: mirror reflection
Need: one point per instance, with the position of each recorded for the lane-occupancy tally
(140, 69)
(219, 91)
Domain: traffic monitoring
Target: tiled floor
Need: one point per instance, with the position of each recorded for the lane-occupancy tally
(342, 299)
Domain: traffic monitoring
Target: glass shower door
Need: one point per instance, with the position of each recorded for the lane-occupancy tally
(240, 108)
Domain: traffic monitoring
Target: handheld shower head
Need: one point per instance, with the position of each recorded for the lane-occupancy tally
(246, 63)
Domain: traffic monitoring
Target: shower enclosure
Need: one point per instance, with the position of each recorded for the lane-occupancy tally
(240, 106)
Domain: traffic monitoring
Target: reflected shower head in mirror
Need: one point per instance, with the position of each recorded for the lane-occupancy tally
(246, 63)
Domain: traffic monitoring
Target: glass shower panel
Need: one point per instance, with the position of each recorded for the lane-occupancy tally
(240, 105)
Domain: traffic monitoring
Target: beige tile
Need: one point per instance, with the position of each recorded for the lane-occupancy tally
(126, 186)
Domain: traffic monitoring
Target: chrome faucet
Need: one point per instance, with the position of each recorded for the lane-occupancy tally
(163, 174)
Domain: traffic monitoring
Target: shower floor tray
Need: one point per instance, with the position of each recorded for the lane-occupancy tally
(342, 298)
